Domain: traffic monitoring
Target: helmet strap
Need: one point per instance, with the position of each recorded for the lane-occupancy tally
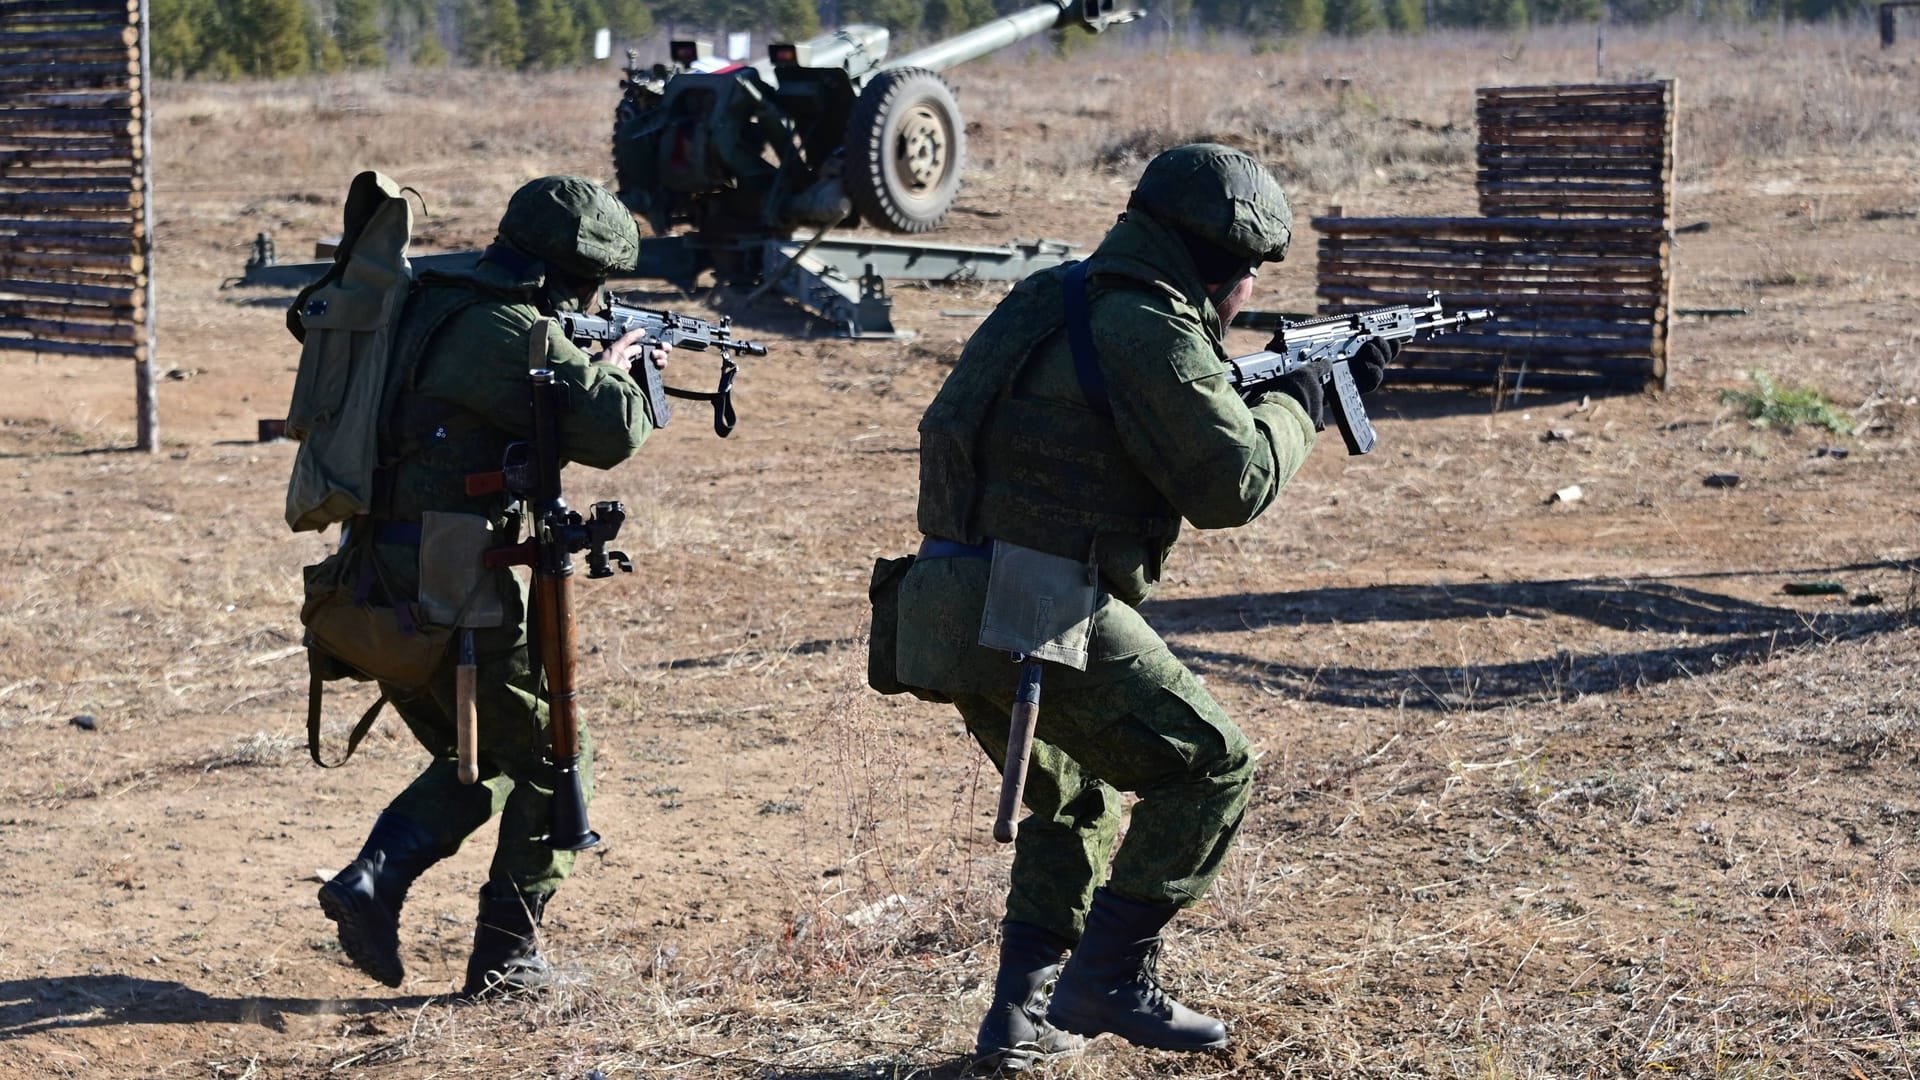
(1221, 292)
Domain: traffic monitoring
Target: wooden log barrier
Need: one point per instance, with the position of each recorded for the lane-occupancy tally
(22, 10)
(76, 220)
(68, 310)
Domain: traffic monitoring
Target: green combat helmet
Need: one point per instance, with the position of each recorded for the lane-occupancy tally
(1228, 208)
(573, 225)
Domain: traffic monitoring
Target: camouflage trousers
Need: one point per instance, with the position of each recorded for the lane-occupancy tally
(1153, 731)
(516, 774)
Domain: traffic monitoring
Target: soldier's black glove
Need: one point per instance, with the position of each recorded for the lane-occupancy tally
(1304, 387)
(1369, 365)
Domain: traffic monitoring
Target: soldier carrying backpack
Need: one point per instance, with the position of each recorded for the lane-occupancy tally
(407, 387)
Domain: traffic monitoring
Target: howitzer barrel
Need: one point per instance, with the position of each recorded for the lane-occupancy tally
(1094, 15)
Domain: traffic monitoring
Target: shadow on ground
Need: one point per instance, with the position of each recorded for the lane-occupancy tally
(1702, 631)
(888, 1069)
(30, 1006)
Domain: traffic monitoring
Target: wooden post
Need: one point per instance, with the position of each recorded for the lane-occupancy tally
(146, 396)
(1662, 323)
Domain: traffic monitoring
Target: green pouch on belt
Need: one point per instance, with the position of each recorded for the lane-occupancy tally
(353, 620)
(883, 649)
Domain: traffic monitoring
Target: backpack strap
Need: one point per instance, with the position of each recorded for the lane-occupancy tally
(360, 728)
(1086, 359)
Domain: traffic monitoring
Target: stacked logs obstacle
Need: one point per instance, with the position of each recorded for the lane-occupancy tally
(1572, 253)
(76, 220)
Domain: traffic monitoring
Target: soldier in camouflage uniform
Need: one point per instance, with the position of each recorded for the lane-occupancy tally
(1024, 446)
(465, 338)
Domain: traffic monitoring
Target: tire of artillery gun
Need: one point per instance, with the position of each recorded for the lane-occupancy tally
(906, 147)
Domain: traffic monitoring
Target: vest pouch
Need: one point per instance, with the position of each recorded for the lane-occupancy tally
(354, 629)
(949, 485)
(883, 646)
(456, 588)
(1039, 605)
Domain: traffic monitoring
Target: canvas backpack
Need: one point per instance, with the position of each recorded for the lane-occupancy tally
(345, 323)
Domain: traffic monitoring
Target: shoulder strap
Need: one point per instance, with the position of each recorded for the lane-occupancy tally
(430, 308)
(1086, 359)
(360, 728)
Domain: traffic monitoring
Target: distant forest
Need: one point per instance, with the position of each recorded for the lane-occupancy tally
(226, 39)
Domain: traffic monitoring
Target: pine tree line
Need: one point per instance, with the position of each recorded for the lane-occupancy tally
(270, 38)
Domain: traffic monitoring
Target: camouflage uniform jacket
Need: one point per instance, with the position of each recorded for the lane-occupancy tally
(468, 398)
(1180, 443)
(1056, 476)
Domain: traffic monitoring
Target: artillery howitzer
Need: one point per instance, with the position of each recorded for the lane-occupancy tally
(823, 132)
(760, 160)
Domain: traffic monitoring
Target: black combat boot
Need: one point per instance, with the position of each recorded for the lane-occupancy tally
(365, 898)
(1015, 1035)
(506, 957)
(1109, 985)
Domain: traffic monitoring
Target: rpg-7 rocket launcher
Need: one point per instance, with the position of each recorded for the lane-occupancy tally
(823, 132)
(1327, 344)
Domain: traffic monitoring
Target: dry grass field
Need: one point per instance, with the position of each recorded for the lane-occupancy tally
(1546, 790)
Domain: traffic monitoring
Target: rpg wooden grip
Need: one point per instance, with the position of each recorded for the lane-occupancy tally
(466, 721)
(1013, 776)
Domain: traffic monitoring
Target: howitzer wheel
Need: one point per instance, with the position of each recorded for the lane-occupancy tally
(906, 146)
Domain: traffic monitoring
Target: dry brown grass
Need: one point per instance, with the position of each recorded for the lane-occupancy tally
(1339, 116)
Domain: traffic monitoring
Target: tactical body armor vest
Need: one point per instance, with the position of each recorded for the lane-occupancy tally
(1040, 473)
(429, 447)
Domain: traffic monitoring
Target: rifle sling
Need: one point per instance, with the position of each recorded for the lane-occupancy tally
(724, 418)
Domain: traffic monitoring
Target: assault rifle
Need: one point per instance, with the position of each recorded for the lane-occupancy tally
(1328, 344)
(667, 328)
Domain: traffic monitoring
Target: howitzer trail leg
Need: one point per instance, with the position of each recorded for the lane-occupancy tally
(364, 899)
(1109, 984)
